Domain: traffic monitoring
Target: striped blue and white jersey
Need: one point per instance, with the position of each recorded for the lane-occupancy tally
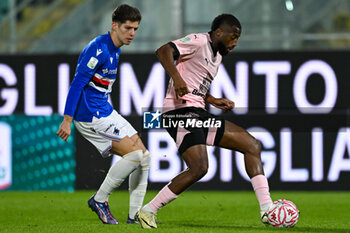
(94, 77)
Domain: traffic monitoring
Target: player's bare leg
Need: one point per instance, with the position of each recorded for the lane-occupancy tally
(237, 138)
(196, 159)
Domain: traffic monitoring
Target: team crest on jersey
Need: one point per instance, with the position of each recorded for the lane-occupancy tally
(92, 63)
(116, 131)
(186, 39)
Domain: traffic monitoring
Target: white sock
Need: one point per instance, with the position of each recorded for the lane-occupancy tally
(138, 180)
(117, 174)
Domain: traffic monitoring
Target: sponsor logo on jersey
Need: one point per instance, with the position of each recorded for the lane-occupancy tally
(92, 63)
(196, 92)
(106, 71)
(186, 39)
(114, 71)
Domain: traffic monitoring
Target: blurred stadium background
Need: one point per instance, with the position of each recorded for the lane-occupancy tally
(302, 120)
(31, 26)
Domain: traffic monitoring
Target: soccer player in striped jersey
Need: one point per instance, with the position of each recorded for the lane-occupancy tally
(93, 116)
(192, 63)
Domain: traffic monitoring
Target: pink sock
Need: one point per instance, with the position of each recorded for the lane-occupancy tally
(261, 188)
(163, 197)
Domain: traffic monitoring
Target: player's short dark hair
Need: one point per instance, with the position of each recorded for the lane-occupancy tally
(227, 19)
(125, 12)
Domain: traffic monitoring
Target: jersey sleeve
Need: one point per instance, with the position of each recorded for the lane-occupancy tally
(188, 45)
(74, 93)
(91, 59)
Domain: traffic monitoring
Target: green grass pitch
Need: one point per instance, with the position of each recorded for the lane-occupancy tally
(193, 211)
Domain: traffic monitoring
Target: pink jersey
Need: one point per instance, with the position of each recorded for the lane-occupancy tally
(198, 66)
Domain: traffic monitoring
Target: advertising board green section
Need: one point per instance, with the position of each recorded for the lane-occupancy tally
(33, 157)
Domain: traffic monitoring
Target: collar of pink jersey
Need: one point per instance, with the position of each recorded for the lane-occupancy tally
(208, 35)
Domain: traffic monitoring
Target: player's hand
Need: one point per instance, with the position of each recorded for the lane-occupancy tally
(223, 103)
(65, 130)
(180, 88)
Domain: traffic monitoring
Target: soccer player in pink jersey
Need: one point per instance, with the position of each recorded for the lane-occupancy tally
(192, 63)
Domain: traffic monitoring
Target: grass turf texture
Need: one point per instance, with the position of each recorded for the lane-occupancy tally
(193, 211)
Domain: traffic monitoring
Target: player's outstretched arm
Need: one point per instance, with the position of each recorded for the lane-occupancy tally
(222, 103)
(75, 91)
(65, 128)
(166, 55)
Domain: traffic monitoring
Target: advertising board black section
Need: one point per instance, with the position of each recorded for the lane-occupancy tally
(296, 103)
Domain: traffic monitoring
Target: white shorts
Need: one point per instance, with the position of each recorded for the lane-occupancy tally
(102, 131)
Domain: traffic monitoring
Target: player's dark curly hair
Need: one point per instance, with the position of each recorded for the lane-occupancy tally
(225, 19)
(125, 12)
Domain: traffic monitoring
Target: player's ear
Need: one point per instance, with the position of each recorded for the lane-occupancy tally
(115, 25)
(218, 32)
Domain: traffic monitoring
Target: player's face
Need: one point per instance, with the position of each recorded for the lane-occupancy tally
(228, 39)
(125, 32)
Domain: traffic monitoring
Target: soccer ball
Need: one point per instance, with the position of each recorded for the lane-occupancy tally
(283, 213)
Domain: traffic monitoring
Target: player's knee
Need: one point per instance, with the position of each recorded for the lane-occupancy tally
(136, 155)
(200, 171)
(146, 159)
(255, 147)
(203, 172)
